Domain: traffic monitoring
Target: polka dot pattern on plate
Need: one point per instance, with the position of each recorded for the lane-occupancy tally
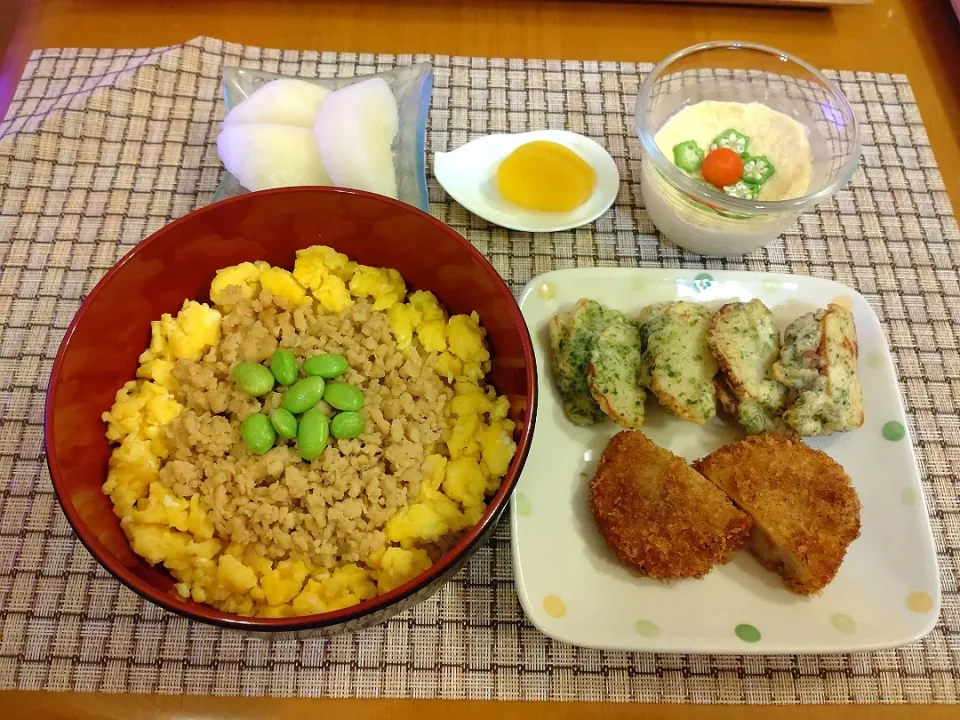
(894, 431)
(747, 633)
(843, 622)
(920, 602)
(646, 628)
(524, 506)
(703, 280)
(547, 291)
(554, 606)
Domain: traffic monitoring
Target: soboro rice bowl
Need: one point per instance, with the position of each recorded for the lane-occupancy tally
(305, 524)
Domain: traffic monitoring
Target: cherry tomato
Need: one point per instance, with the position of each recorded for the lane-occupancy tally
(722, 167)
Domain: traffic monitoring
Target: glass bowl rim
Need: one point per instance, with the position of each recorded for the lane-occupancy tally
(706, 194)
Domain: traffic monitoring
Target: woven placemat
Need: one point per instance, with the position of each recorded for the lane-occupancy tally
(101, 147)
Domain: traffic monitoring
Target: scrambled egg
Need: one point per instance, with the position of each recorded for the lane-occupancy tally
(458, 342)
(251, 278)
(383, 285)
(188, 335)
(395, 566)
(245, 276)
(404, 319)
(326, 273)
(480, 445)
(176, 531)
(282, 282)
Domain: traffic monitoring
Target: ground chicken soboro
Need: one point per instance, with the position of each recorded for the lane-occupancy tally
(277, 502)
(272, 534)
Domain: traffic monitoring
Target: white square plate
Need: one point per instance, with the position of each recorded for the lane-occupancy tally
(571, 585)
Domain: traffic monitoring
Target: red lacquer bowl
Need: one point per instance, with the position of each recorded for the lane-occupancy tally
(100, 350)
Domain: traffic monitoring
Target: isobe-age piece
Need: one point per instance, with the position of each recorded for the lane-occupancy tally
(545, 176)
(355, 128)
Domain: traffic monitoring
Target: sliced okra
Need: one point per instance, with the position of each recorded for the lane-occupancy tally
(733, 139)
(757, 169)
(688, 156)
(743, 190)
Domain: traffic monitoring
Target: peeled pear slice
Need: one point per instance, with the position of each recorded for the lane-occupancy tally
(268, 155)
(286, 101)
(355, 128)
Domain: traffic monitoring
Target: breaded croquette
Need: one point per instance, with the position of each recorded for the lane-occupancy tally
(805, 511)
(659, 516)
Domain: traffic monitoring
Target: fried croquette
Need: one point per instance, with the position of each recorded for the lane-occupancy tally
(660, 517)
(805, 511)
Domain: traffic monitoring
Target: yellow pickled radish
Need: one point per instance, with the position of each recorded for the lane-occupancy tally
(546, 176)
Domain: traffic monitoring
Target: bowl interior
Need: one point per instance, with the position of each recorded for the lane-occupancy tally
(745, 73)
(100, 350)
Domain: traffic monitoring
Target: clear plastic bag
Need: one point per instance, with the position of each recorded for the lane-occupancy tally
(410, 84)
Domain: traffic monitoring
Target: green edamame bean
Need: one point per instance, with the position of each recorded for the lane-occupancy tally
(253, 378)
(304, 395)
(343, 396)
(258, 433)
(284, 423)
(347, 424)
(326, 366)
(283, 365)
(312, 434)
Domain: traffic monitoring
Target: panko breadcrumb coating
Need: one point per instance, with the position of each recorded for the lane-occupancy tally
(805, 511)
(659, 516)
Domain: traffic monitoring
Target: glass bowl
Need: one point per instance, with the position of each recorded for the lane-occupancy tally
(411, 86)
(691, 213)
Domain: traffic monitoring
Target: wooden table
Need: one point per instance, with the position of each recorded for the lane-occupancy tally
(917, 37)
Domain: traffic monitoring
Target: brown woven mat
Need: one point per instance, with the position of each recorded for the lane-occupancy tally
(101, 147)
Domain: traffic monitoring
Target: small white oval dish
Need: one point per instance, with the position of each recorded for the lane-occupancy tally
(468, 174)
